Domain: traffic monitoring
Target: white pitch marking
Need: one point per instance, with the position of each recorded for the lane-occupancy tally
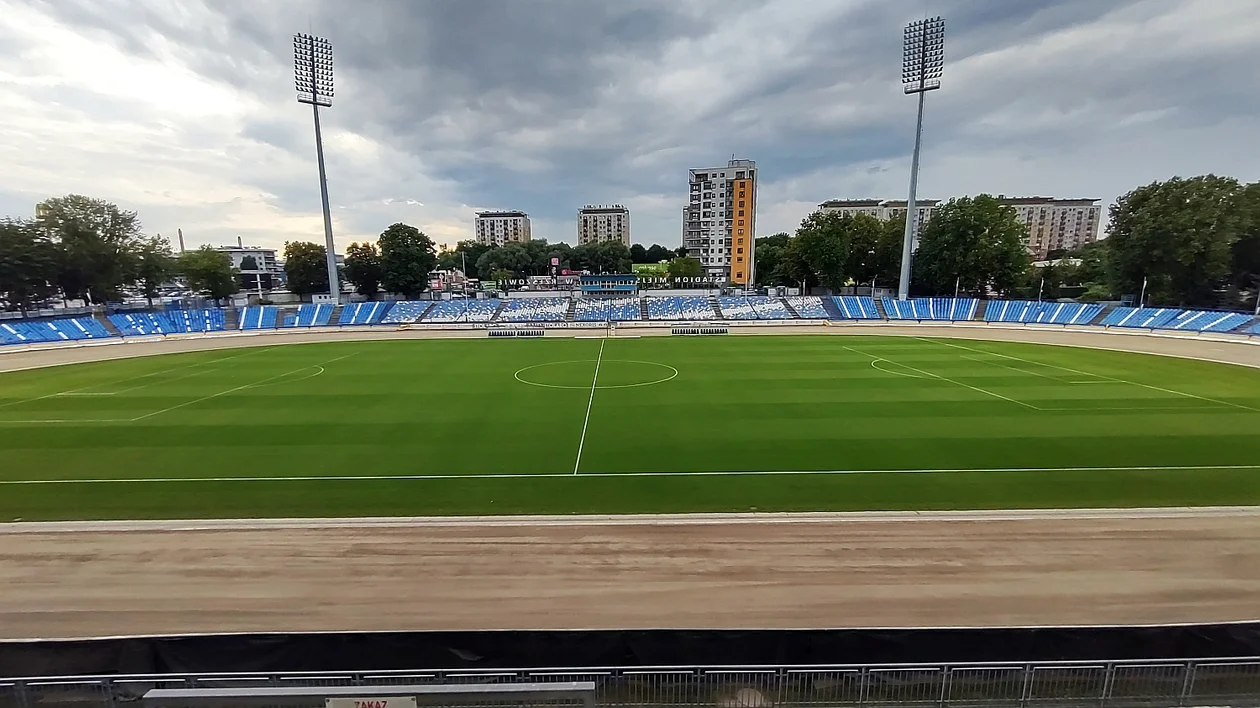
(589, 402)
(942, 378)
(566, 475)
(517, 374)
(238, 388)
(1099, 376)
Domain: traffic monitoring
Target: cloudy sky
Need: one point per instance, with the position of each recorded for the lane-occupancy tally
(183, 109)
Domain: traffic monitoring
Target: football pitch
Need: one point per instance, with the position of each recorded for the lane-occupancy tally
(657, 424)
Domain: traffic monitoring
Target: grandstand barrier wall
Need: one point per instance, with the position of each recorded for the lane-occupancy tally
(699, 330)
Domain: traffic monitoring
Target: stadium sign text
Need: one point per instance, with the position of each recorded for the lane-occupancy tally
(382, 702)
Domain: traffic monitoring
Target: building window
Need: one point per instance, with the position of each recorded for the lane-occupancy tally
(741, 232)
(741, 204)
(739, 250)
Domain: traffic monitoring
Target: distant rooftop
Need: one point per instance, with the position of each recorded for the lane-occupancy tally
(501, 213)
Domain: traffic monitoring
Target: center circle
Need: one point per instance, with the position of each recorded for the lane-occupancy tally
(579, 373)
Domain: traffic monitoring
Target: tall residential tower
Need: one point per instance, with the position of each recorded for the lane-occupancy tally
(603, 223)
(500, 227)
(721, 220)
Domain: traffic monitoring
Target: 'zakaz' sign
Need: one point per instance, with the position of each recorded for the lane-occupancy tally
(382, 702)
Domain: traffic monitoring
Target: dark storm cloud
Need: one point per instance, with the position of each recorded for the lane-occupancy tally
(547, 104)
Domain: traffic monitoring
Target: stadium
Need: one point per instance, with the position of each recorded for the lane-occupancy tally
(257, 464)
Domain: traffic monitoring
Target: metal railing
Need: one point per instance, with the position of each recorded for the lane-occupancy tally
(1105, 684)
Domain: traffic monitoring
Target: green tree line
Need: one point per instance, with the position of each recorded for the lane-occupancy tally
(80, 248)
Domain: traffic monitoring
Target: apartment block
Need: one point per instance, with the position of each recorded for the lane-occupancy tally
(500, 227)
(603, 223)
(720, 219)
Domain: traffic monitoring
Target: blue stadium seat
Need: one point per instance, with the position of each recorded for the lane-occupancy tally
(462, 311)
(680, 308)
(1140, 317)
(1028, 311)
(310, 315)
(1207, 321)
(406, 311)
(621, 309)
(753, 307)
(808, 307)
(542, 309)
(60, 330)
(362, 313)
(931, 308)
(258, 317)
(856, 307)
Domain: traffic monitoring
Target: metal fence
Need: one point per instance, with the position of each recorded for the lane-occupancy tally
(1119, 684)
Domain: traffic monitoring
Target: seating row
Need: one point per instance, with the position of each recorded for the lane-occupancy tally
(62, 330)
(680, 308)
(1174, 318)
(621, 309)
(808, 307)
(931, 308)
(362, 313)
(1026, 311)
(310, 316)
(544, 309)
(753, 307)
(139, 324)
(854, 307)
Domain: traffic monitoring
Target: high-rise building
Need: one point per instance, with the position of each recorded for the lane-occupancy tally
(500, 227)
(1053, 224)
(720, 221)
(603, 223)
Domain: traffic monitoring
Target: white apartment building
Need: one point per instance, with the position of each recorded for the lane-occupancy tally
(265, 263)
(500, 227)
(1052, 223)
(719, 221)
(603, 223)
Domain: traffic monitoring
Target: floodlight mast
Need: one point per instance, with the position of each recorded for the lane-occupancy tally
(923, 60)
(313, 79)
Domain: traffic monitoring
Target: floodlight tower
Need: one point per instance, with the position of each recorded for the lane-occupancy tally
(921, 66)
(313, 79)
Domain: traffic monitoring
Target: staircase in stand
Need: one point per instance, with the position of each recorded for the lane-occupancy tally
(833, 310)
(717, 311)
(231, 319)
(981, 307)
(499, 311)
(788, 306)
(568, 314)
(643, 309)
(105, 322)
(1101, 315)
(879, 307)
(335, 318)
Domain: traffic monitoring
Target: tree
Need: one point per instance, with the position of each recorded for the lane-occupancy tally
(602, 257)
(658, 253)
(407, 258)
(769, 258)
(1245, 272)
(28, 264)
(96, 242)
(976, 245)
(363, 268)
(685, 267)
(306, 266)
(820, 249)
(681, 252)
(863, 264)
(155, 265)
(209, 272)
(1178, 236)
(638, 254)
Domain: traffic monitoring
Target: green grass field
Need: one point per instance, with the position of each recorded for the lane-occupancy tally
(669, 424)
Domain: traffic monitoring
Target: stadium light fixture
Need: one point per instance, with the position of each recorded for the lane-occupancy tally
(313, 80)
(923, 62)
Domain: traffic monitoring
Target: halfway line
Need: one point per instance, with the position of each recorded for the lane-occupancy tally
(591, 400)
(566, 475)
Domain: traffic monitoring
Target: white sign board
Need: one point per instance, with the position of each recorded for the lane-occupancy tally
(381, 702)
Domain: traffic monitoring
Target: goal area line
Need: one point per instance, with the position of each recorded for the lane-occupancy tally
(607, 475)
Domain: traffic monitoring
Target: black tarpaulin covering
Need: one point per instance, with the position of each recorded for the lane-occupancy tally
(538, 649)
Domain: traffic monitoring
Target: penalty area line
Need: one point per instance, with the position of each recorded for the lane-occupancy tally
(550, 475)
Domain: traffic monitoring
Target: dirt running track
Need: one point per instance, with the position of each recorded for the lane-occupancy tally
(1023, 568)
(1017, 568)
